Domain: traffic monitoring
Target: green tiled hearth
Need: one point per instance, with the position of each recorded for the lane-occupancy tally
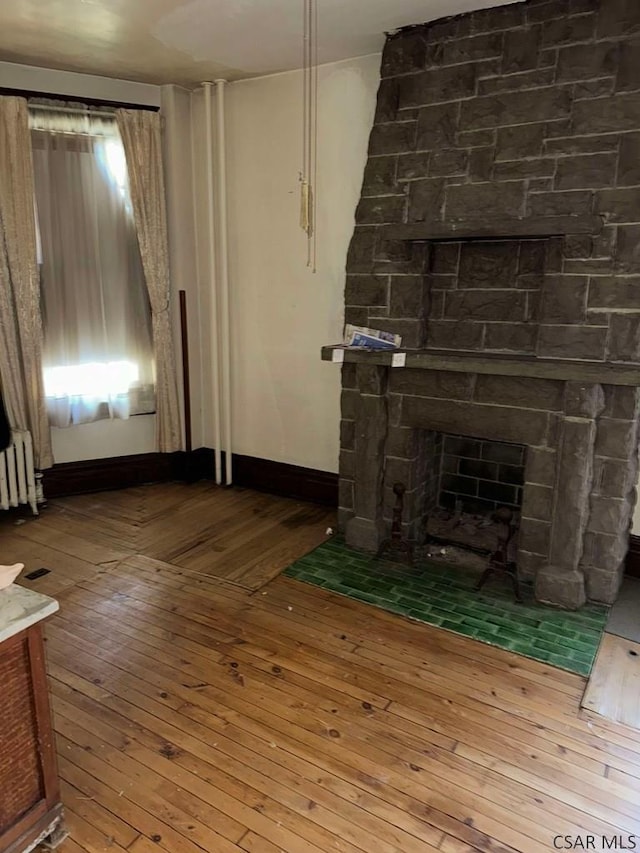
(444, 596)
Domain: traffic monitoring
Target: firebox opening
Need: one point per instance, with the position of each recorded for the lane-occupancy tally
(478, 491)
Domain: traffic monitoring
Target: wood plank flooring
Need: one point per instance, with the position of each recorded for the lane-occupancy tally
(194, 715)
(614, 686)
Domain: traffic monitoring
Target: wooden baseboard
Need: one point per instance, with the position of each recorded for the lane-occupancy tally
(278, 478)
(632, 565)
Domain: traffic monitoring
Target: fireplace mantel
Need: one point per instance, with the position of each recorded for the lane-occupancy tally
(490, 228)
(497, 365)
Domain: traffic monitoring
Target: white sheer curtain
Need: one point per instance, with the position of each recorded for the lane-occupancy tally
(98, 351)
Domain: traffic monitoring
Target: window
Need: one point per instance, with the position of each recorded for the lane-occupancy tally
(97, 352)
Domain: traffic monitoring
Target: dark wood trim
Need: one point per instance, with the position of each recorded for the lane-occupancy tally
(280, 478)
(77, 99)
(119, 472)
(632, 565)
(264, 475)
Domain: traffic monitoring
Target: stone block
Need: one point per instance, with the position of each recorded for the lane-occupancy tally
(607, 115)
(497, 18)
(402, 442)
(628, 79)
(361, 249)
(516, 82)
(349, 399)
(609, 515)
(379, 210)
(618, 18)
(498, 423)
(616, 439)
(356, 315)
(573, 342)
(511, 337)
(603, 585)
(568, 30)
(515, 169)
(426, 199)
(589, 266)
(472, 48)
(476, 138)
(411, 330)
(604, 550)
(526, 393)
(586, 171)
(364, 534)
(519, 141)
(629, 161)
(404, 53)
(615, 293)
(581, 144)
(450, 161)
(544, 10)
(561, 588)
(435, 304)
(347, 464)
(570, 203)
(366, 289)
(399, 470)
(437, 126)
(387, 101)
(438, 84)
(520, 49)
(407, 296)
(583, 400)
(504, 305)
(412, 166)
(445, 258)
(540, 466)
(577, 246)
(396, 138)
(452, 334)
(621, 402)
(485, 201)
(431, 383)
(614, 478)
(371, 379)
(349, 375)
(584, 61)
(529, 106)
(628, 249)
(345, 493)
(480, 164)
(534, 536)
(347, 435)
(624, 341)
(564, 299)
(528, 565)
(344, 516)
(537, 502)
(593, 88)
(380, 176)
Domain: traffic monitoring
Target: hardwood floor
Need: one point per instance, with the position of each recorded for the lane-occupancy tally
(195, 714)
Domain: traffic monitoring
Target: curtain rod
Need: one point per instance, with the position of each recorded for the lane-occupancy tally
(84, 111)
(89, 101)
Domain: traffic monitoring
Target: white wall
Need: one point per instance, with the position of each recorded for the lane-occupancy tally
(286, 401)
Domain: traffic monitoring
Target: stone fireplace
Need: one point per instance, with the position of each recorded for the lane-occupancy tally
(499, 233)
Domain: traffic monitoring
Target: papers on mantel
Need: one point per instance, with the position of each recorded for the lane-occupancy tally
(367, 340)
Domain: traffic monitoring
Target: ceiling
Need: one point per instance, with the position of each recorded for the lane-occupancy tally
(187, 41)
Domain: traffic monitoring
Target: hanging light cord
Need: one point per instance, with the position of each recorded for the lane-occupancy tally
(309, 174)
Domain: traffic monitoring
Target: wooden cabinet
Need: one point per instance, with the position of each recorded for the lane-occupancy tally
(30, 808)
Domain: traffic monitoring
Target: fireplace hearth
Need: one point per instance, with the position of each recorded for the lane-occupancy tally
(498, 233)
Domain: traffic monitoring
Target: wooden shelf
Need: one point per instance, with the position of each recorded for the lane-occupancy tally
(498, 365)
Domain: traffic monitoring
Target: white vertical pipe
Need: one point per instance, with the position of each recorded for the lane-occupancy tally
(215, 366)
(200, 317)
(223, 269)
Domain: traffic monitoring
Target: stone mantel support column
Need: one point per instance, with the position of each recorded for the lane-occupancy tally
(365, 531)
(562, 581)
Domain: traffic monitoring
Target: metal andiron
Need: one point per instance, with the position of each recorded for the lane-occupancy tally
(395, 544)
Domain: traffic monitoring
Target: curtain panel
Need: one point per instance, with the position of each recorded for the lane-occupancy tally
(20, 317)
(141, 137)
